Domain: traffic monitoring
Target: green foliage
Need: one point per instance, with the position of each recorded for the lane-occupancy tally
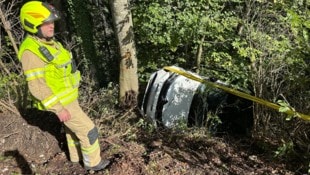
(6, 83)
(172, 31)
(90, 26)
(213, 121)
(145, 126)
(285, 107)
(82, 27)
(260, 46)
(81, 22)
(286, 149)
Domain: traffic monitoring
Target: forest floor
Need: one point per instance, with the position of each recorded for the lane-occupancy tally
(36, 145)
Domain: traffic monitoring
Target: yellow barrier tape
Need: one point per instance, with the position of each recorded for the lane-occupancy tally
(236, 92)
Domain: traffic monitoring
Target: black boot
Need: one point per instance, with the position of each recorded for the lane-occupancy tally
(102, 165)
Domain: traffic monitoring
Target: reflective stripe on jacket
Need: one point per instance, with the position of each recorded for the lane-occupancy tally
(58, 73)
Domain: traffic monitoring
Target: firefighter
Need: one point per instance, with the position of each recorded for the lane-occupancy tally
(53, 82)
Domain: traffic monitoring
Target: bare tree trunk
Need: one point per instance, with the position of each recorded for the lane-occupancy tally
(199, 53)
(128, 78)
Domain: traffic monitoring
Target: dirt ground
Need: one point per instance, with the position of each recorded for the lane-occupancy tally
(36, 145)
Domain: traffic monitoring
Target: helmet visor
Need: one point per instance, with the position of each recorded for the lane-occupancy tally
(54, 13)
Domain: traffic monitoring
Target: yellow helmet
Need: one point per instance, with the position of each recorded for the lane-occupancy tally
(35, 13)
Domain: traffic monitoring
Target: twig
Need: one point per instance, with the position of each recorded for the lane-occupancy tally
(127, 112)
(8, 135)
(9, 124)
(7, 28)
(10, 108)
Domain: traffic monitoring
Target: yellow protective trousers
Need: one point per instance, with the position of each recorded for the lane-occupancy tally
(82, 137)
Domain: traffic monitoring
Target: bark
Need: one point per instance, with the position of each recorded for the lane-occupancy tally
(199, 53)
(128, 78)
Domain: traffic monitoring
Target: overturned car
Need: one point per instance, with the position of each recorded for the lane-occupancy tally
(171, 99)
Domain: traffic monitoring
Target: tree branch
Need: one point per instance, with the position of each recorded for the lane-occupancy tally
(7, 25)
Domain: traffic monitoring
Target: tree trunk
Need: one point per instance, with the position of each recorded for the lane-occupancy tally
(128, 78)
(86, 52)
(199, 53)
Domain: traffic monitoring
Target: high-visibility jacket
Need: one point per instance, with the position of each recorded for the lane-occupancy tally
(59, 73)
